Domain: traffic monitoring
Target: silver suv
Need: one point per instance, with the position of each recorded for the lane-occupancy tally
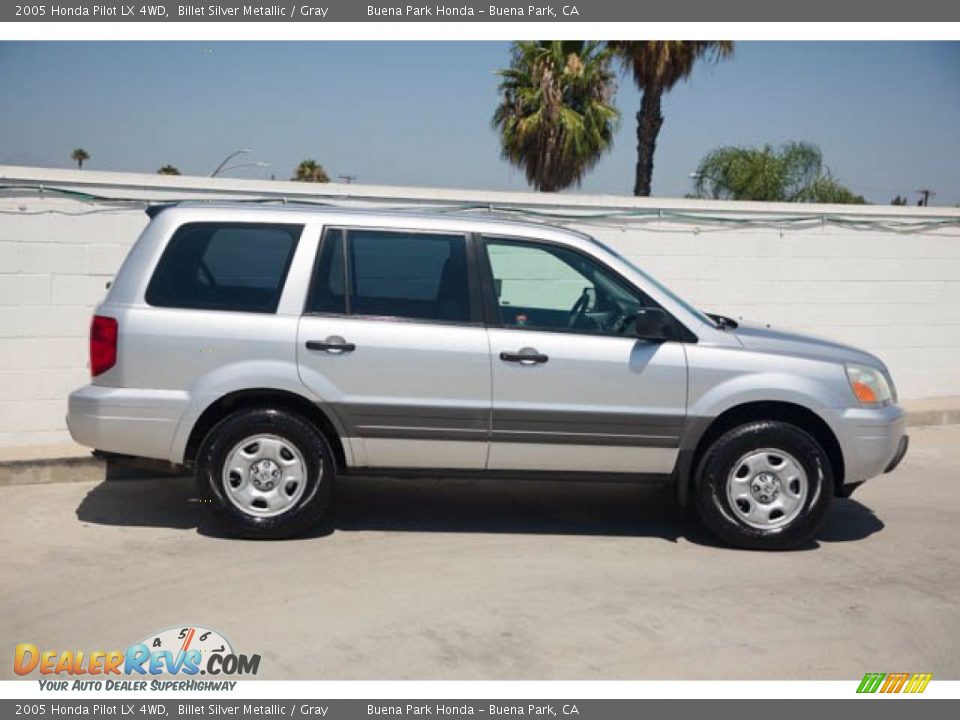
(276, 350)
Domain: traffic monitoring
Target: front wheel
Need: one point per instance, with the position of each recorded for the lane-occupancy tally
(268, 472)
(764, 486)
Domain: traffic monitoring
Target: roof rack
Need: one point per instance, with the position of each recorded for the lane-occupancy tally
(153, 210)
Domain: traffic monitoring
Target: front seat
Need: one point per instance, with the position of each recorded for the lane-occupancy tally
(453, 293)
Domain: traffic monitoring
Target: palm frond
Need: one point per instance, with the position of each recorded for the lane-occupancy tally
(555, 118)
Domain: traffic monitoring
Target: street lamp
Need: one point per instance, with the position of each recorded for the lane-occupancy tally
(243, 165)
(228, 158)
(700, 177)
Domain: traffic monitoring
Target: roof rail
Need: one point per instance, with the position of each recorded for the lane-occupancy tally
(153, 210)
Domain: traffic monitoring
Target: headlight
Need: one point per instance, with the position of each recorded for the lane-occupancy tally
(870, 386)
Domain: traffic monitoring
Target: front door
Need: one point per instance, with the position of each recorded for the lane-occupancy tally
(573, 388)
(393, 342)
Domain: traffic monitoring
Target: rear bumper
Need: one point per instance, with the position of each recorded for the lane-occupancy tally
(872, 440)
(130, 422)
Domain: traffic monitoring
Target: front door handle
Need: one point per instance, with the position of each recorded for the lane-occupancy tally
(333, 344)
(525, 356)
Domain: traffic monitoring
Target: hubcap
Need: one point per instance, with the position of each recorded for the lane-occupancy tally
(264, 475)
(767, 488)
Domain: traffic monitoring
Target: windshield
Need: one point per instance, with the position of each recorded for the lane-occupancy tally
(657, 284)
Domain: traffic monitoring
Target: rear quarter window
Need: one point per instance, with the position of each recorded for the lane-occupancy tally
(238, 267)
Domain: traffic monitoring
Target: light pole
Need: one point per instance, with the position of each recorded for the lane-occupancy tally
(228, 158)
(699, 177)
(243, 165)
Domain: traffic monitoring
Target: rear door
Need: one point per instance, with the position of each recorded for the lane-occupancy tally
(392, 340)
(573, 388)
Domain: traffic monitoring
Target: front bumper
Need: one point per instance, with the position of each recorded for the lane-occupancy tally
(129, 422)
(901, 453)
(872, 440)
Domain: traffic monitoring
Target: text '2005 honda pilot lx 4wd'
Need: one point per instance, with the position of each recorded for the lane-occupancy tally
(278, 349)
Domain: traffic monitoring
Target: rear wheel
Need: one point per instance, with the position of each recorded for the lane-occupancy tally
(268, 472)
(764, 486)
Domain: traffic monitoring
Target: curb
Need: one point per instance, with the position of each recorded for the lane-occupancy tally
(81, 469)
(97, 469)
(52, 470)
(928, 418)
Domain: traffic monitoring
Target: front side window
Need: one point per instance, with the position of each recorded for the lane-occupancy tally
(224, 266)
(549, 287)
(706, 320)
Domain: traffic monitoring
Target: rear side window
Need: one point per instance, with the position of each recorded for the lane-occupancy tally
(419, 276)
(327, 290)
(224, 266)
(396, 274)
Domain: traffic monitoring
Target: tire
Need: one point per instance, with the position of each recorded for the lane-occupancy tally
(764, 485)
(268, 473)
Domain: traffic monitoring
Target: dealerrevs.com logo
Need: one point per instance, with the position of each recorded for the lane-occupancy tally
(178, 651)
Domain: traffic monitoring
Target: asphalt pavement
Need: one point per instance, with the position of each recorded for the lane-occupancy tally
(454, 579)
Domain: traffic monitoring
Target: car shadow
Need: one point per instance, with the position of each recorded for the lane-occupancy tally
(849, 520)
(540, 507)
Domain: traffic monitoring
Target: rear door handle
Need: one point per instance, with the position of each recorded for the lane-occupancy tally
(525, 356)
(331, 345)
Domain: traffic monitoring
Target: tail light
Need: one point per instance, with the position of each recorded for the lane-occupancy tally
(103, 344)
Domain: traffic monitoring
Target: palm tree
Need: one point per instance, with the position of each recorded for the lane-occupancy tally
(555, 116)
(656, 67)
(793, 173)
(310, 171)
(78, 156)
(168, 170)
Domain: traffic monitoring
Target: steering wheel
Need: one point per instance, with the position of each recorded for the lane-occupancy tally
(578, 309)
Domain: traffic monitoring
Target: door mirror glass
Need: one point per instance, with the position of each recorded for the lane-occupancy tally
(655, 325)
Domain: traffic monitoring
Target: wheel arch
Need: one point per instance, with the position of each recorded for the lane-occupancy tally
(701, 433)
(260, 397)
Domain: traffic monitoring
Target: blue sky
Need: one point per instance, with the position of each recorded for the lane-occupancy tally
(886, 115)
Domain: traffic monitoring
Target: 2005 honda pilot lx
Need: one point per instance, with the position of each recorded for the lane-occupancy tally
(276, 350)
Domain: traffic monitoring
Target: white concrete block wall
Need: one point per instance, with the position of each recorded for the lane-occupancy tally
(54, 267)
(896, 294)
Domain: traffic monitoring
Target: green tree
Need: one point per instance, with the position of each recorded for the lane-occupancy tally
(827, 190)
(656, 67)
(168, 170)
(555, 118)
(79, 155)
(792, 173)
(310, 171)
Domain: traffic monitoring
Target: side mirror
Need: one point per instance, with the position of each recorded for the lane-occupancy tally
(654, 324)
